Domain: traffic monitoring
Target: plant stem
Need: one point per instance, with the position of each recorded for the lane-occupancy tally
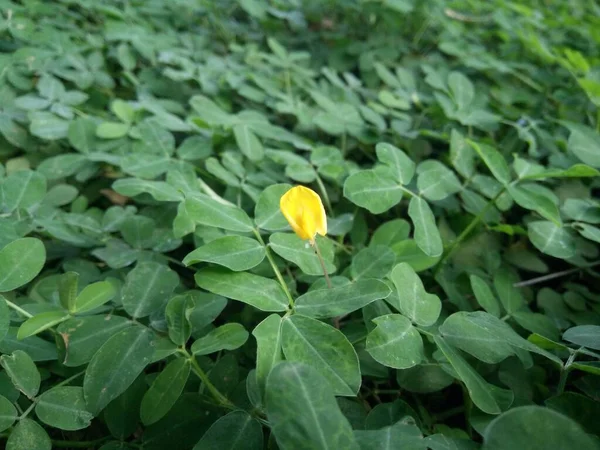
(71, 378)
(564, 372)
(554, 275)
(79, 444)
(275, 268)
(467, 230)
(223, 401)
(18, 308)
(28, 410)
(325, 195)
(316, 246)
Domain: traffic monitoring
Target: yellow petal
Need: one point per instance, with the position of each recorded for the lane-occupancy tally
(303, 209)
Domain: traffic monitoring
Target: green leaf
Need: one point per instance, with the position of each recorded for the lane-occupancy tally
(589, 232)
(22, 190)
(206, 211)
(206, 307)
(122, 415)
(22, 372)
(248, 143)
(341, 300)
(226, 337)
(395, 342)
(93, 296)
(462, 155)
(373, 190)
(575, 171)
(486, 337)
(63, 407)
(8, 413)
(159, 190)
(140, 165)
(20, 262)
(164, 391)
(396, 436)
(494, 161)
(409, 252)
(426, 233)
(177, 314)
(510, 296)
(403, 167)
(28, 435)
(82, 337)
(484, 296)
(112, 130)
(414, 302)
(38, 349)
(538, 203)
(325, 349)
(267, 213)
(480, 391)
(116, 365)
(68, 286)
(535, 428)
(82, 134)
(234, 431)
(391, 232)
(584, 335)
(293, 387)
(462, 90)
(237, 253)
(375, 261)
(268, 341)
(41, 322)
(435, 181)
(551, 239)
(292, 248)
(147, 288)
(584, 143)
(260, 292)
(210, 112)
(46, 125)
(424, 378)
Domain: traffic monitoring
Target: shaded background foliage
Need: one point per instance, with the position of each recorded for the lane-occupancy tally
(153, 295)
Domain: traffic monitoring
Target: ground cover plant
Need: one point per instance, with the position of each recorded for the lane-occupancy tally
(154, 296)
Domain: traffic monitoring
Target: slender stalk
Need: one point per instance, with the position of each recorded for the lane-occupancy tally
(223, 401)
(275, 268)
(324, 195)
(71, 378)
(18, 309)
(28, 410)
(316, 247)
(554, 275)
(564, 373)
(467, 230)
(79, 444)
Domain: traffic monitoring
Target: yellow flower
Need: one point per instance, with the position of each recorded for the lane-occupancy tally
(303, 209)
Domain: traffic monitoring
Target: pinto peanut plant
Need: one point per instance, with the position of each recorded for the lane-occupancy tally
(441, 291)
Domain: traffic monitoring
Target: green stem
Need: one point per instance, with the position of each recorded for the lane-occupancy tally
(79, 444)
(28, 410)
(564, 373)
(275, 268)
(71, 378)
(223, 401)
(288, 87)
(324, 194)
(316, 246)
(18, 309)
(467, 231)
(344, 143)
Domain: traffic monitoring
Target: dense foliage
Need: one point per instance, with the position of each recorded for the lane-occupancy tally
(153, 295)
